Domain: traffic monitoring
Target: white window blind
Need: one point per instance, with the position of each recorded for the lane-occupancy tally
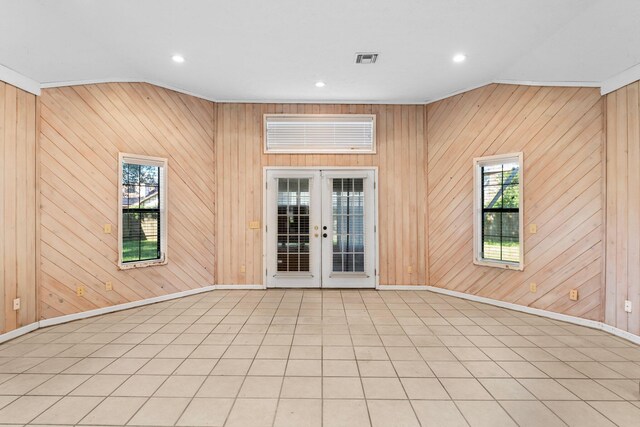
(310, 133)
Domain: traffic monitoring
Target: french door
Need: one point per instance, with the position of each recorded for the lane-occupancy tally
(320, 228)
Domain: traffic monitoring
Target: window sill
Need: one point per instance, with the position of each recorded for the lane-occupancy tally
(498, 264)
(141, 264)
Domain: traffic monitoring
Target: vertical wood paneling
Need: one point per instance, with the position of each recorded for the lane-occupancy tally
(83, 128)
(623, 208)
(560, 131)
(18, 206)
(400, 157)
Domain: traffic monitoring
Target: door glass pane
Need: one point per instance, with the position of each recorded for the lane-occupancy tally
(293, 212)
(347, 206)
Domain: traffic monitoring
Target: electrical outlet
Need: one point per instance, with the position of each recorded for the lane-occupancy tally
(254, 225)
(533, 228)
(16, 304)
(80, 290)
(410, 269)
(573, 295)
(107, 229)
(533, 287)
(108, 286)
(627, 306)
(243, 269)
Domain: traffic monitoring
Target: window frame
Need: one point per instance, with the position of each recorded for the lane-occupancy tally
(143, 160)
(478, 164)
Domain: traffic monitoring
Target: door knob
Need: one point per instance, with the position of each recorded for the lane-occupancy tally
(324, 228)
(324, 235)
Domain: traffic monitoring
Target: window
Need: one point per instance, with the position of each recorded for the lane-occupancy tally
(319, 133)
(142, 216)
(498, 211)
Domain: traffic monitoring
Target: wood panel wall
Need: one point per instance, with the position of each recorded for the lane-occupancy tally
(401, 159)
(83, 128)
(424, 155)
(560, 132)
(18, 206)
(623, 208)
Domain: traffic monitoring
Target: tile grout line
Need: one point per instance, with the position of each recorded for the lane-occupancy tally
(490, 394)
(235, 399)
(61, 397)
(293, 335)
(366, 401)
(148, 398)
(435, 376)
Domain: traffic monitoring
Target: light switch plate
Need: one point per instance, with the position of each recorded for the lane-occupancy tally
(80, 290)
(254, 225)
(107, 229)
(627, 306)
(243, 269)
(108, 286)
(533, 287)
(533, 228)
(410, 269)
(16, 304)
(573, 295)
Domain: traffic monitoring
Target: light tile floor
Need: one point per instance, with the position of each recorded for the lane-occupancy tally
(310, 358)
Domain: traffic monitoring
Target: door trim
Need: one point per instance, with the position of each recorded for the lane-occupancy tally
(321, 168)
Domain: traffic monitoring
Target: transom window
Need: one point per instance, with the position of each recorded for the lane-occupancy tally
(142, 215)
(498, 211)
(320, 133)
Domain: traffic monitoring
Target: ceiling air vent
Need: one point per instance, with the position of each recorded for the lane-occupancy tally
(366, 58)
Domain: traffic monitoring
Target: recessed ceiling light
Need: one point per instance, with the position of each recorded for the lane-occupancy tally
(178, 58)
(320, 84)
(460, 57)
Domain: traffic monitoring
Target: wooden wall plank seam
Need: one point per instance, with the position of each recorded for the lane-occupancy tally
(18, 207)
(622, 208)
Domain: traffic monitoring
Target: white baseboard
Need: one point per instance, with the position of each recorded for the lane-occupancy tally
(91, 313)
(18, 332)
(104, 310)
(125, 306)
(240, 287)
(535, 311)
(539, 312)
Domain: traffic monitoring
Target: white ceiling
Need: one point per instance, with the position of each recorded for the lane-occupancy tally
(257, 50)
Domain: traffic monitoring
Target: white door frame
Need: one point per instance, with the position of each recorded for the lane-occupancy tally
(321, 168)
